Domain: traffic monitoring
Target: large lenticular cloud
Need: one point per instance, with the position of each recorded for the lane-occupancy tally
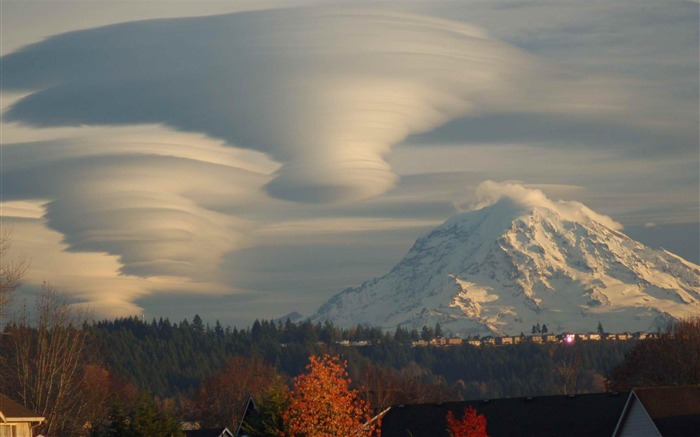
(324, 92)
(164, 216)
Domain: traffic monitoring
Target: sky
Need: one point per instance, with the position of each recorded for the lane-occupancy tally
(244, 160)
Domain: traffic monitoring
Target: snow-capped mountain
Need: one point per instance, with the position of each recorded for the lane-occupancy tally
(524, 259)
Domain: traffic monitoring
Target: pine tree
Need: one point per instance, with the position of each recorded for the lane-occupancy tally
(197, 324)
(427, 334)
(438, 331)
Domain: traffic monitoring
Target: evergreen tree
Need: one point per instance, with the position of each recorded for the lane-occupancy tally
(197, 324)
(119, 424)
(145, 421)
(600, 329)
(544, 329)
(256, 330)
(438, 331)
(218, 330)
(427, 334)
(401, 335)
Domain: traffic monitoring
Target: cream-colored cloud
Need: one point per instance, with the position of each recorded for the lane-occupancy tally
(490, 192)
(157, 202)
(325, 91)
(93, 279)
(33, 209)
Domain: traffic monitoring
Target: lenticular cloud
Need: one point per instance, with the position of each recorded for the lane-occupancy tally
(162, 215)
(325, 92)
(489, 192)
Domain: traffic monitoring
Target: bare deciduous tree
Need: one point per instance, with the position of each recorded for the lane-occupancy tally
(48, 362)
(567, 371)
(384, 386)
(220, 401)
(673, 358)
(11, 272)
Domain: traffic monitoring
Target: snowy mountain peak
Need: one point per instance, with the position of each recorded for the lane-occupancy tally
(522, 259)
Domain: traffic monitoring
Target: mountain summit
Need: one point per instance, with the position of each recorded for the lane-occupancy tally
(520, 259)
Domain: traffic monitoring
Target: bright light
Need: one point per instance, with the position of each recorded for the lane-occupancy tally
(569, 338)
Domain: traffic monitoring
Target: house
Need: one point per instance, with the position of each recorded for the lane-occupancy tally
(567, 337)
(439, 341)
(17, 420)
(549, 338)
(573, 416)
(454, 341)
(673, 411)
(474, 342)
(488, 341)
(642, 412)
(624, 336)
(251, 410)
(640, 335)
(360, 343)
(504, 340)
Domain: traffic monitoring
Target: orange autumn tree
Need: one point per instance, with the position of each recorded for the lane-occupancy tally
(471, 424)
(321, 404)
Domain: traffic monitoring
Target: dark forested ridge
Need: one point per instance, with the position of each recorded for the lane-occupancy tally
(172, 359)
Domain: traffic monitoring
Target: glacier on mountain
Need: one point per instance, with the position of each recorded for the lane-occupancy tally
(520, 259)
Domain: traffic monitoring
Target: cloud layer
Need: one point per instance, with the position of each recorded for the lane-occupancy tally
(162, 215)
(490, 192)
(326, 92)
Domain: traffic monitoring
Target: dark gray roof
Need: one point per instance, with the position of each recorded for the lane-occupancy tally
(572, 416)
(674, 410)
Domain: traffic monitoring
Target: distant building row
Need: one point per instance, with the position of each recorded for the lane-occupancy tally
(566, 337)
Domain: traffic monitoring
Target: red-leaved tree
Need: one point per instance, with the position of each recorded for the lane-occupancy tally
(471, 424)
(322, 404)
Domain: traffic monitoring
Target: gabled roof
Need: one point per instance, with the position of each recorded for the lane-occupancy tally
(674, 410)
(250, 410)
(573, 416)
(11, 411)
